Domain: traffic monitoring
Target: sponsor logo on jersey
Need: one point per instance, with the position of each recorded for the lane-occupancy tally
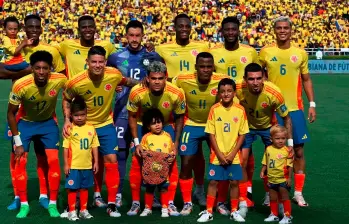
(32, 98)
(194, 52)
(77, 52)
(294, 58)
(214, 92)
(166, 104)
(193, 92)
(264, 105)
(88, 92)
(70, 182)
(243, 59)
(235, 119)
(174, 54)
(52, 92)
(212, 173)
(108, 87)
(274, 59)
(219, 119)
(221, 61)
(283, 108)
(89, 133)
(279, 156)
(183, 148)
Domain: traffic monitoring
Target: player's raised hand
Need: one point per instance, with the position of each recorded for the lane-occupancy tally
(19, 151)
(95, 167)
(66, 128)
(311, 114)
(66, 169)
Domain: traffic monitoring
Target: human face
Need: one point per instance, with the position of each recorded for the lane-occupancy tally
(230, 32)
(183, 28)
(41, 72)
(254, 82)
(156, 127)
(204, 68)
(87, 29)
(134, 38)
(283, 31)
(279, 139)
(33, 29)
(11, 30)
(226, 93)
(156, 81)
(96, 64)
(79, 117)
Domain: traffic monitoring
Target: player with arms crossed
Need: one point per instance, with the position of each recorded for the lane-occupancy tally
(97, 87)
(200, 90)
(226, 126)
(131, 62)
(170, 100)
(260, 99)
(37, 94)
(287, 68)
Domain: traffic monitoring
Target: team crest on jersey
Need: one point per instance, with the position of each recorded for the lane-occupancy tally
(108, 87)
(279, 156)
(294, 58)
(166, 104)
(212, 173)
(70, 182)
(183, 148)
(52, 92)
(194, 52)
(243, 59)
(146, 62)
(235, 119)
(89, 133)
(214, 92)
(264, 105)
(165, 145)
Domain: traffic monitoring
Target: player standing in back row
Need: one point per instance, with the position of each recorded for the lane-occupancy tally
(287, 68)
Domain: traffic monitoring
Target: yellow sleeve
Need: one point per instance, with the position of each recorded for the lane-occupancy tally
(66, 142)
(159, 51)
(289, 162)
(144, 143)
(133, 101)
(304, 65)
(261, 58)
(58, 64)
(174, 80)
(61, 48)
(69, 92)
(110, 49)
(210, 125)
(8, 46)
(15, 95)
(255, 58)
(95, 141)
(180, 104)
(243, 129)
(264, 160)
(280, 107)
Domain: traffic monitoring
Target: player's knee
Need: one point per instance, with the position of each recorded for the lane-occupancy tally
(110, 158)
(213, 184)
(234, 183)
(299, 153)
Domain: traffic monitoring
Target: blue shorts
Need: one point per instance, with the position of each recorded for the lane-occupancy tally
(299, 126)
(123, 133)
(163, 185)
(17, 67)
(252, 136)
(190, 139)
(44, 132)
(276, 187)
(107, 140)
(228, 172)
(79, 179)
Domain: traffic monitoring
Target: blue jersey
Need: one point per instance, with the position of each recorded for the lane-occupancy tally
(131, 64)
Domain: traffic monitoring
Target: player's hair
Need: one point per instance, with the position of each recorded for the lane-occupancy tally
(203, 55)
(180, 16)
(157, 67)
(277, 129)
(227, 81)
(150, 115)
(44, 56)
(85, 17)
(230, 19)
(11, 19)
(96, 50)
(252, 67)
(77, 105)
(134, 24)
(32, 16)
(283, 19)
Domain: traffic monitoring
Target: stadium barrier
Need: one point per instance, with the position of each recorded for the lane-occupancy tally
(329, 66)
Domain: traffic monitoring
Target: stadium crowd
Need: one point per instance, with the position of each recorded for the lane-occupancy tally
(318, 23)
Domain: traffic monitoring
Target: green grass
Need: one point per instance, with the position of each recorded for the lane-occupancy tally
(326, 183)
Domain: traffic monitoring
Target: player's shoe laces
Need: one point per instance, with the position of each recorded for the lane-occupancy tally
(65, 213)
(135, 208)
(156, 203)
(16, 204)
(53, 211)
(222, 209)
(272, 218)
(236, 217)
(200, 197)
(172, 209)
(85, 214)
(112, 211)
(118, 200)
(187, 209)
(72, 216)
(266, 201)
(299, 199)
(164, 213)
(43, 201)
(23, 212)
(146, 212)
(99, 202)
(205, 216)
(285, 220)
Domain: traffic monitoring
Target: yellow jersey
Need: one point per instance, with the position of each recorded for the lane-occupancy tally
(277, 163)
(58, 65)
(79, 144)
(172, 100)
(226, 124)
(37, 103)
(157, 143)
(181, 59)
(284, 70)
(233, 63)
(9, 46)
(98, 96)
(75, 55)
(260, 108)
(200, 98)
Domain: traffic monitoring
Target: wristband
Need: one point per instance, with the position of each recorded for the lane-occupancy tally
(312, 104)
(290, 142)
(17, 140)
(136, 141)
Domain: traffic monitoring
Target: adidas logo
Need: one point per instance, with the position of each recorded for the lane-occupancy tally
(274, 59)
(174, 54)
(88, 92)
(125, 63)
(304, 136)
(193, 92)
(77, 52)
(32, 98)
(151, 144)
(221, 61)
(76, 134)
(219, 119)
(146, 105)
(57, 144)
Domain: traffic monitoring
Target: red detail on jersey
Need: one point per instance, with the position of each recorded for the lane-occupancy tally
(165, 145)
(214, 92)
(236, 119)
(52, 92)
(89, 133)
(108, 87)
(194, 53)
(279, 156)
(264, 105)
(294, 58)
(183, 148)
(243, 59)
(212, 173)
(9, 133)
(166, 104)
(70, 182)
